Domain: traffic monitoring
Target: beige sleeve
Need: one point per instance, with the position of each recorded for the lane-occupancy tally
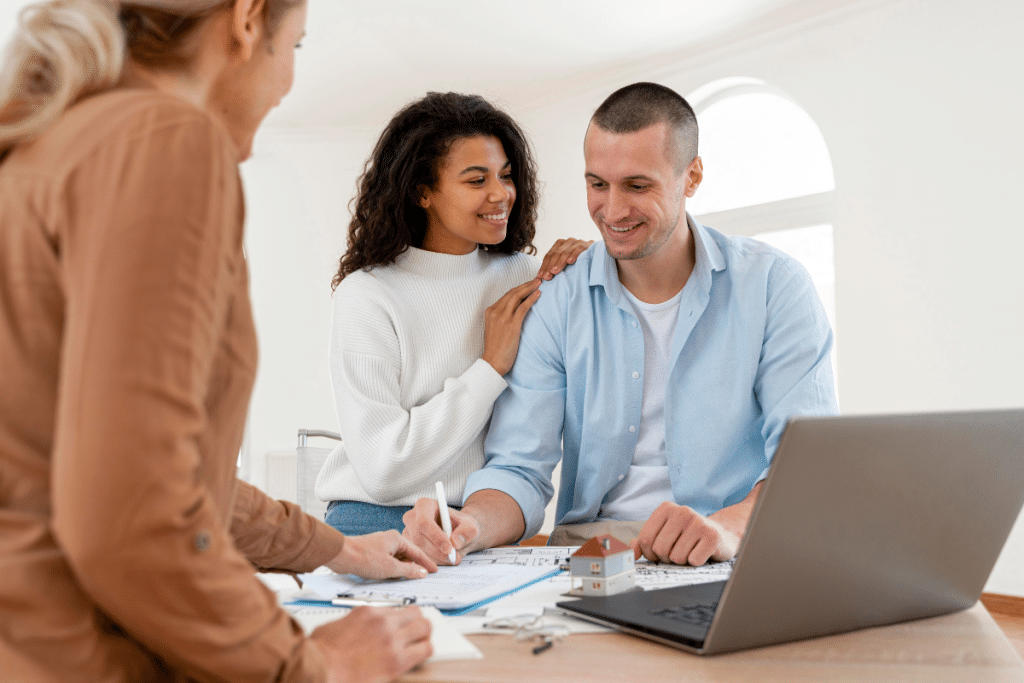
(150, 264)
(276, 534)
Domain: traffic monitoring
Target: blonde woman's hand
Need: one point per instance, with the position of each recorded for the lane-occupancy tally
(382, 555)
(562, 253)
(503, 322)
(373, 644)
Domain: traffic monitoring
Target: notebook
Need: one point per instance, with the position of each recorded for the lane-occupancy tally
(862, 521)
(447, 642)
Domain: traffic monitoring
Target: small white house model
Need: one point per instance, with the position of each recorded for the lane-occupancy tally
(602, 566)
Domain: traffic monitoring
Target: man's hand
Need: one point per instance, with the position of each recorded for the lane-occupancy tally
(423, 528)
(677, 534)
(562, 254)
(382, 555)
(373, 644)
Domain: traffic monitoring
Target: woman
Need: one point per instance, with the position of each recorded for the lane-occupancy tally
(429, 300)
(127, 353)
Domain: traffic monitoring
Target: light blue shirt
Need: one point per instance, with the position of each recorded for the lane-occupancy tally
(752, 347)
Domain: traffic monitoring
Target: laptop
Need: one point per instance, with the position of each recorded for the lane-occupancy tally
(862, 521)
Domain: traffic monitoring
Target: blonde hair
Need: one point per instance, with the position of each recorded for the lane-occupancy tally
(62, 51)
(65, 50)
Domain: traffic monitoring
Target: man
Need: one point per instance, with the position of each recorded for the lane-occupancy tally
(664, 364)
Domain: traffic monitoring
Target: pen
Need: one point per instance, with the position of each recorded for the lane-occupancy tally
(345, 600)
(446, 520)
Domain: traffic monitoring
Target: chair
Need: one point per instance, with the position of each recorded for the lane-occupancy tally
(309, 461)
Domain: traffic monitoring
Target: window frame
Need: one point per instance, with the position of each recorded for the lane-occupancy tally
(784, 214)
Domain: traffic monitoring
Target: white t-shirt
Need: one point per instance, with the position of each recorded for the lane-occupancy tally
(647, 485)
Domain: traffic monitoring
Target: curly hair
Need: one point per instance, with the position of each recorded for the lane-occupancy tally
(387, 217)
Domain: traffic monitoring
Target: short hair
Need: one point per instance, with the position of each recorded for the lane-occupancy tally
(387, 217)
(640, 105)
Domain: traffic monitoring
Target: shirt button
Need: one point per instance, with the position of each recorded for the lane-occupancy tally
(632, 428)
(621, 477)
(202, 541)
(635, 375)
(636, 324)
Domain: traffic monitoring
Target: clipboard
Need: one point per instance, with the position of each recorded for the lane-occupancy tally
(454, 591)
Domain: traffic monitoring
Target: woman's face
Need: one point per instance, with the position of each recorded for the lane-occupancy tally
(264, 80)
(473, 197)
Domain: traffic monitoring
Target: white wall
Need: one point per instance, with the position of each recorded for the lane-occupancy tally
(298, 185)
(919, 103)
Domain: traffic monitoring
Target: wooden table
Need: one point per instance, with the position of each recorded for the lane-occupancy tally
(965, 647)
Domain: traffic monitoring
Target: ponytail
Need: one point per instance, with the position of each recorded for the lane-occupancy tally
(63, 50)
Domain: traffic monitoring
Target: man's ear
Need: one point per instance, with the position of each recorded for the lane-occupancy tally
(694, 174)
(247, 26)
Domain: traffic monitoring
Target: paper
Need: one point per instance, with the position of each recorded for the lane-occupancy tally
(649, 575)
(654, 575)
(448, 643)
(460, 588)
(529, 556)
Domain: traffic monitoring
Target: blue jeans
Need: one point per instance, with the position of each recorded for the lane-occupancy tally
(354, 519)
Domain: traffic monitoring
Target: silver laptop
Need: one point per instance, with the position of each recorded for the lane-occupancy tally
(863, 521)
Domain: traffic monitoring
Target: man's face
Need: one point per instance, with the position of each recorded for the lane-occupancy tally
(634, 194)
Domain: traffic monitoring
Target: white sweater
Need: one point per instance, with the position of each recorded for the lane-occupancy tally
(412, 394)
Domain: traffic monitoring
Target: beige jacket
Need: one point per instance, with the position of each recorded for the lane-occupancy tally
(127, 357)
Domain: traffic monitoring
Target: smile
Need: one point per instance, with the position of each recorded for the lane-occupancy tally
(494, 216)
(625, 229)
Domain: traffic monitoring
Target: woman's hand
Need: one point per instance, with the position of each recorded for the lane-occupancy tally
(502, 323)
(563, 253)
(373, 644)
(382, 555)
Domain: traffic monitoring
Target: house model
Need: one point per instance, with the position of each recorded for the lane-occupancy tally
(602, 566)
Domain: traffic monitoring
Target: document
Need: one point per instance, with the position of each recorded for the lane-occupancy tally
(653, 575)
(528, 556)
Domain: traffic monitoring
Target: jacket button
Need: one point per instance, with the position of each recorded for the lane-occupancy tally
(203, 541)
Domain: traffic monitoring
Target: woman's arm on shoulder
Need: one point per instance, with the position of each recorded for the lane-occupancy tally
(562, 253)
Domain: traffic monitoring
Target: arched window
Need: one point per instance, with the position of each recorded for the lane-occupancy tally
(767, 174)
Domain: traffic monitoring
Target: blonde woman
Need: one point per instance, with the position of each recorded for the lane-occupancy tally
(127, 352)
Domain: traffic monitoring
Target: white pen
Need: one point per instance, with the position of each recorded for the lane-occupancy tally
(446, 520)
(350, 601)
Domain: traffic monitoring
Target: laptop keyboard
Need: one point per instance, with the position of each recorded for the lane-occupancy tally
(695, 615)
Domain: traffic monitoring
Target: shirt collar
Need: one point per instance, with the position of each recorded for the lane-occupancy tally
(709, 258)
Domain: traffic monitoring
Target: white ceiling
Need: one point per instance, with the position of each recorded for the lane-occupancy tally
(363, 60)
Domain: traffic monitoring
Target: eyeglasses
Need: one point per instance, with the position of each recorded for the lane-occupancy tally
(528, 627)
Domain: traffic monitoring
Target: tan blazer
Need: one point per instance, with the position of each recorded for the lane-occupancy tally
(127, 357)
